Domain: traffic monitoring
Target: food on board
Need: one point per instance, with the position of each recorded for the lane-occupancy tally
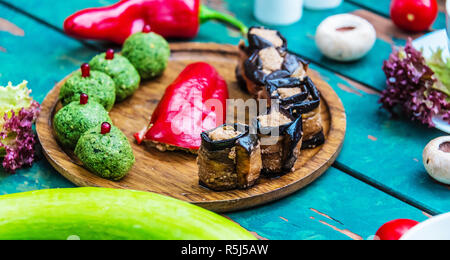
(414, 87)
(73, 120)
(169, 18)
(229, 158)
(395, 229)
(119, 68)
(266, 58)
(97, 85)
(183, 113)
(148, 52)
(107, 214)
(345, 37)
(281, 140)
(436, 159)
(18, 112)
(105, 151)
(414, 15)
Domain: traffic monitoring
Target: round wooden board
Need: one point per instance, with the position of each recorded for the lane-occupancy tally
(175, 173)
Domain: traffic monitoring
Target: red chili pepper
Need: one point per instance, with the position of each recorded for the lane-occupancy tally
(193, 103)
(169, 18)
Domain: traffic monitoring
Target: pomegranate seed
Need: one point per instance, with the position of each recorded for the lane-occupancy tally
(109, 54)
(147, 29)
(106, 128)
(84, 99)
(85, 70)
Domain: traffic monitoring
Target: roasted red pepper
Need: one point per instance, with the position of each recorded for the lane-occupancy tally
(169, 18)
(193, 103)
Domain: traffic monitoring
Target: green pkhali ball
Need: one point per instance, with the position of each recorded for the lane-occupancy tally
(75, 119)
(123, 73)
(148, 52)
(98, 86)
(109, 156)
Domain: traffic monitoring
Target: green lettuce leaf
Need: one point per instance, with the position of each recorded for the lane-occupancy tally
(441, 69)
(14, 98)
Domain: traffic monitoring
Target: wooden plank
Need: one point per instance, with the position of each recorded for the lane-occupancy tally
(336, 206)
(383, 7)
(384, 149)
(334, 196)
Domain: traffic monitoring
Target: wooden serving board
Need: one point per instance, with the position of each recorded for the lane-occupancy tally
(175, 173)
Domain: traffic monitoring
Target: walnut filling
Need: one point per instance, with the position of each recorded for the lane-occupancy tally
(269, 35)
(288, 92)
(300, 72)
(223, 133)
(271, 60)
(273, 119)
(445, 147)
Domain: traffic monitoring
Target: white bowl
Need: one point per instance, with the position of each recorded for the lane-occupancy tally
(436, 228)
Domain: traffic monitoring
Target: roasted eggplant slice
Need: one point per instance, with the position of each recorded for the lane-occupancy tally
(314, 142)
(281, 139)
(310, 111)
(311, 103)
(288, 91)
(260, 38)
(266, 57)
(229, 158)
(268, 64)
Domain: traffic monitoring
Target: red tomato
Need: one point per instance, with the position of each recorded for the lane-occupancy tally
(414, 15)
(394, 230)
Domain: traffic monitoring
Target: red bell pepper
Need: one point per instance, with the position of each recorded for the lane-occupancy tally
(195, 102)
(169, 18)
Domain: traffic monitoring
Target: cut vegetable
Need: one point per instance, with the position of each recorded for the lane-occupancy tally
(98, 213)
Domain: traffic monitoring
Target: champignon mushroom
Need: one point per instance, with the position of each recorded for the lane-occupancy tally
(436, 159)
(345, 37)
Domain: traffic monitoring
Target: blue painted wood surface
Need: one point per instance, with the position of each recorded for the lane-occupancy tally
(335, 202)
(378, 148)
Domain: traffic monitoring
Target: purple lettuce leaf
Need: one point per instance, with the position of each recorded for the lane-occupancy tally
(409, 87)
(17, 138)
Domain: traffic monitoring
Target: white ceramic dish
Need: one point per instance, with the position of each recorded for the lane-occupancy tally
(428, 43)
(437, 228)
(278, 12)
(322, 4)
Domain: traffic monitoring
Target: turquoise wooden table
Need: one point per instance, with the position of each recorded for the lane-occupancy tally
(378, 177)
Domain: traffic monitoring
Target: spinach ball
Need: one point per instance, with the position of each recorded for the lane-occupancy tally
(97, 85)
(75, 119)
(106, 152)
(119, 68)
(148, 52)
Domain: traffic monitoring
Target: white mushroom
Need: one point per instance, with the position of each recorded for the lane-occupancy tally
(345, 37)
(436, 159)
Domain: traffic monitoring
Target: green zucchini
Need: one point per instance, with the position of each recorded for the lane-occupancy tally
(104, 214)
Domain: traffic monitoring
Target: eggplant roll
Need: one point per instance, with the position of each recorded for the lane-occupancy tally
(266, 57)
(229, 158)
(281, 139)
(310, 111)
(260, 38)
(287, 91)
